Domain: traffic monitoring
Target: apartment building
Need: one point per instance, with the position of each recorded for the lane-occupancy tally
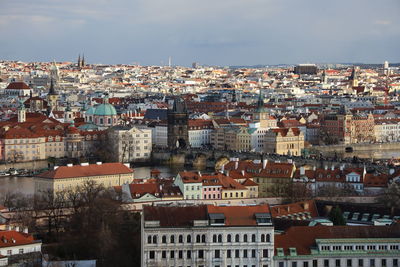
(130, 143)
(284, 141)
(207, 236)
(338, 246)
(71, 176)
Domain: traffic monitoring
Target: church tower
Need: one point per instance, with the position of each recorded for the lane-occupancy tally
(261, 115)
(178, 135)
(52, 96)
(353, 79)
(79, 61)
(21, 112)
(54, 72)
(83, 61)
(68, 114)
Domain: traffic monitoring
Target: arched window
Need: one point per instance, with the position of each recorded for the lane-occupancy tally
(237, 238)
(180, 239)
(214, 238)
(101, 121)
(229, 238)
(268, 239)
(220, 238)
(189, 239)
(262, 238)
(197, 238)
(154, 239)
(244, 238)
(172, 239)
(253, 238)
(149, 239)
(203, 238)
(164, 239)
(109, 121)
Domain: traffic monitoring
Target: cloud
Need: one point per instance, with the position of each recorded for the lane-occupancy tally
(382, 22)
(211, 32)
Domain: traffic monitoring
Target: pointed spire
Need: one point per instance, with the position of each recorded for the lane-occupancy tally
(260, 102)
(83, 60)
(79, 60)
(52, 91)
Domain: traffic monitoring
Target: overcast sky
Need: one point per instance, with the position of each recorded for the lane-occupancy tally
(211, 32)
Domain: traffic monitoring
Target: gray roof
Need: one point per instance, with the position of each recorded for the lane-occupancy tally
(154, 114)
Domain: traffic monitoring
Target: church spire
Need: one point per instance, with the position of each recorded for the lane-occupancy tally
(79, 60)
(83, 60)
(52, 91)
(260, 102)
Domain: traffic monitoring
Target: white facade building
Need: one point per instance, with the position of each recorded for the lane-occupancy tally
(207, 236)
(130, 144)
(161, 135)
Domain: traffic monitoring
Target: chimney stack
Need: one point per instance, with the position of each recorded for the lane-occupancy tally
(265, 162)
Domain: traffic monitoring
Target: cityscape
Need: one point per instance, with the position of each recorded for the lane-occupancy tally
(242, 134)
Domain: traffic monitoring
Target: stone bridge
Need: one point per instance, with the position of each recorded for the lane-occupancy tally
(210, 158)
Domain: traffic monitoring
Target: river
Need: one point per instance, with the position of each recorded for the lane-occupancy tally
(25, 185)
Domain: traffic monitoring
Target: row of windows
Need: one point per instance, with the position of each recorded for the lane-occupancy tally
(360, 247)
(345, 263)
(188, 254)
(153, 239)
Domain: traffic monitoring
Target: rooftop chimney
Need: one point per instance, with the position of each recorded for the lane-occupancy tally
(84, 164)
(99, 163)
(302, 170)
(236, 165)
(333, 167)
(70, 165)
(242, 172)
(265, 162)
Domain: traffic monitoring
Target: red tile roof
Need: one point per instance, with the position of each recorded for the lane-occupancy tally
(175, 216)
(303, 237)
(14, 238)
(295, 209)
(85, 171)
(239, 215)
(18, 85)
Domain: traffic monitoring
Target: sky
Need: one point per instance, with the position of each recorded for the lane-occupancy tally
(210, 32)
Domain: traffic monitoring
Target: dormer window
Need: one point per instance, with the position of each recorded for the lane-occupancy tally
(263, 218)
(217, 219)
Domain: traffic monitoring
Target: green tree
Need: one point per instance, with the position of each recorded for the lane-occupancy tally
(336, 216)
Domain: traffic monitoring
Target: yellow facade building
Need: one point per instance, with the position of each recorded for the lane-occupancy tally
(72, 176)
(284, 141)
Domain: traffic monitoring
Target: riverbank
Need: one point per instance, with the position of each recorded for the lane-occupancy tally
(378, 151)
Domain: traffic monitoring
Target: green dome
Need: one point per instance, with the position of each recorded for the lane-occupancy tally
(105, 109)
(89, 111)
(88, 127)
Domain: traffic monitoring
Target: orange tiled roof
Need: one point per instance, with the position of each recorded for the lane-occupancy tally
(14, 238)
(239, 215)
(85, 171)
